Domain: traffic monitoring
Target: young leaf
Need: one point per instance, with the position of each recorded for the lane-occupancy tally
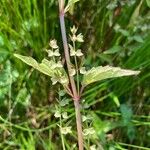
(70, 5)
(101, 73)
(44, 67)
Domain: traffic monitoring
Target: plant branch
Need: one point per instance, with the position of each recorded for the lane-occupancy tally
(81, 90)
(77, 69)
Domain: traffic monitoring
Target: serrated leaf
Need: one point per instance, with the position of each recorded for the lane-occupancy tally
(46, 68)
(28, 60)
(42, 67)
(101, 73)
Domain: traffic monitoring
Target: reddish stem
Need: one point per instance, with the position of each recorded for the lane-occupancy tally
(66, 49)
(76, 97)
(79, 124)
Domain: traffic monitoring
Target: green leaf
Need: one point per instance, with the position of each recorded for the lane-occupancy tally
(148, 3)
(1, 41)
(115, 99)
(124, 32)
(42, 67)
(23, 97)
(138, 39)
(101, 73)
(46, 68)
(126, 116)
(28, 60)
(102, 127)
(113, 50)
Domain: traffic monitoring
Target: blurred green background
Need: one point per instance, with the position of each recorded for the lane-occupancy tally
(117, 33)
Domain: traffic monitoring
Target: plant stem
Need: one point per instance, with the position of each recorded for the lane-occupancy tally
(45, 25)
(79, 124)
(66, 49)
(62, 138)
(77, 69)
(60, 126)
(76, 97)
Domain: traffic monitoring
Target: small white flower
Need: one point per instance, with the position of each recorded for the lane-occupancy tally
(63, 80)
(57, 114)
(72, 53)
(73, 38)
(72, 72)
(57, 65)
(65, 130)
(56, 52)
(116, 27)
(93, 147)
(50, 53)
(79, 38)
(53, 53)
(53, 44)
(74, 146)
(71, 47)
(65, 115)
(82, 70)
(79, 53)
(88, 117)
(64, 102)
(84, 118)
(54, 80)
(88, 131)
(75, 53)
(73, 30)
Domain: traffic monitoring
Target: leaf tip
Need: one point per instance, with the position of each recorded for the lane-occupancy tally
(137, 72)
(15, 55)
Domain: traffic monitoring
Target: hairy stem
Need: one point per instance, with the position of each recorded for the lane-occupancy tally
(66, 49)
(79, 124)
(76, 97)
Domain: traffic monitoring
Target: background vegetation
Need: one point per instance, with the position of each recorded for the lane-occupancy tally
(115, 33)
